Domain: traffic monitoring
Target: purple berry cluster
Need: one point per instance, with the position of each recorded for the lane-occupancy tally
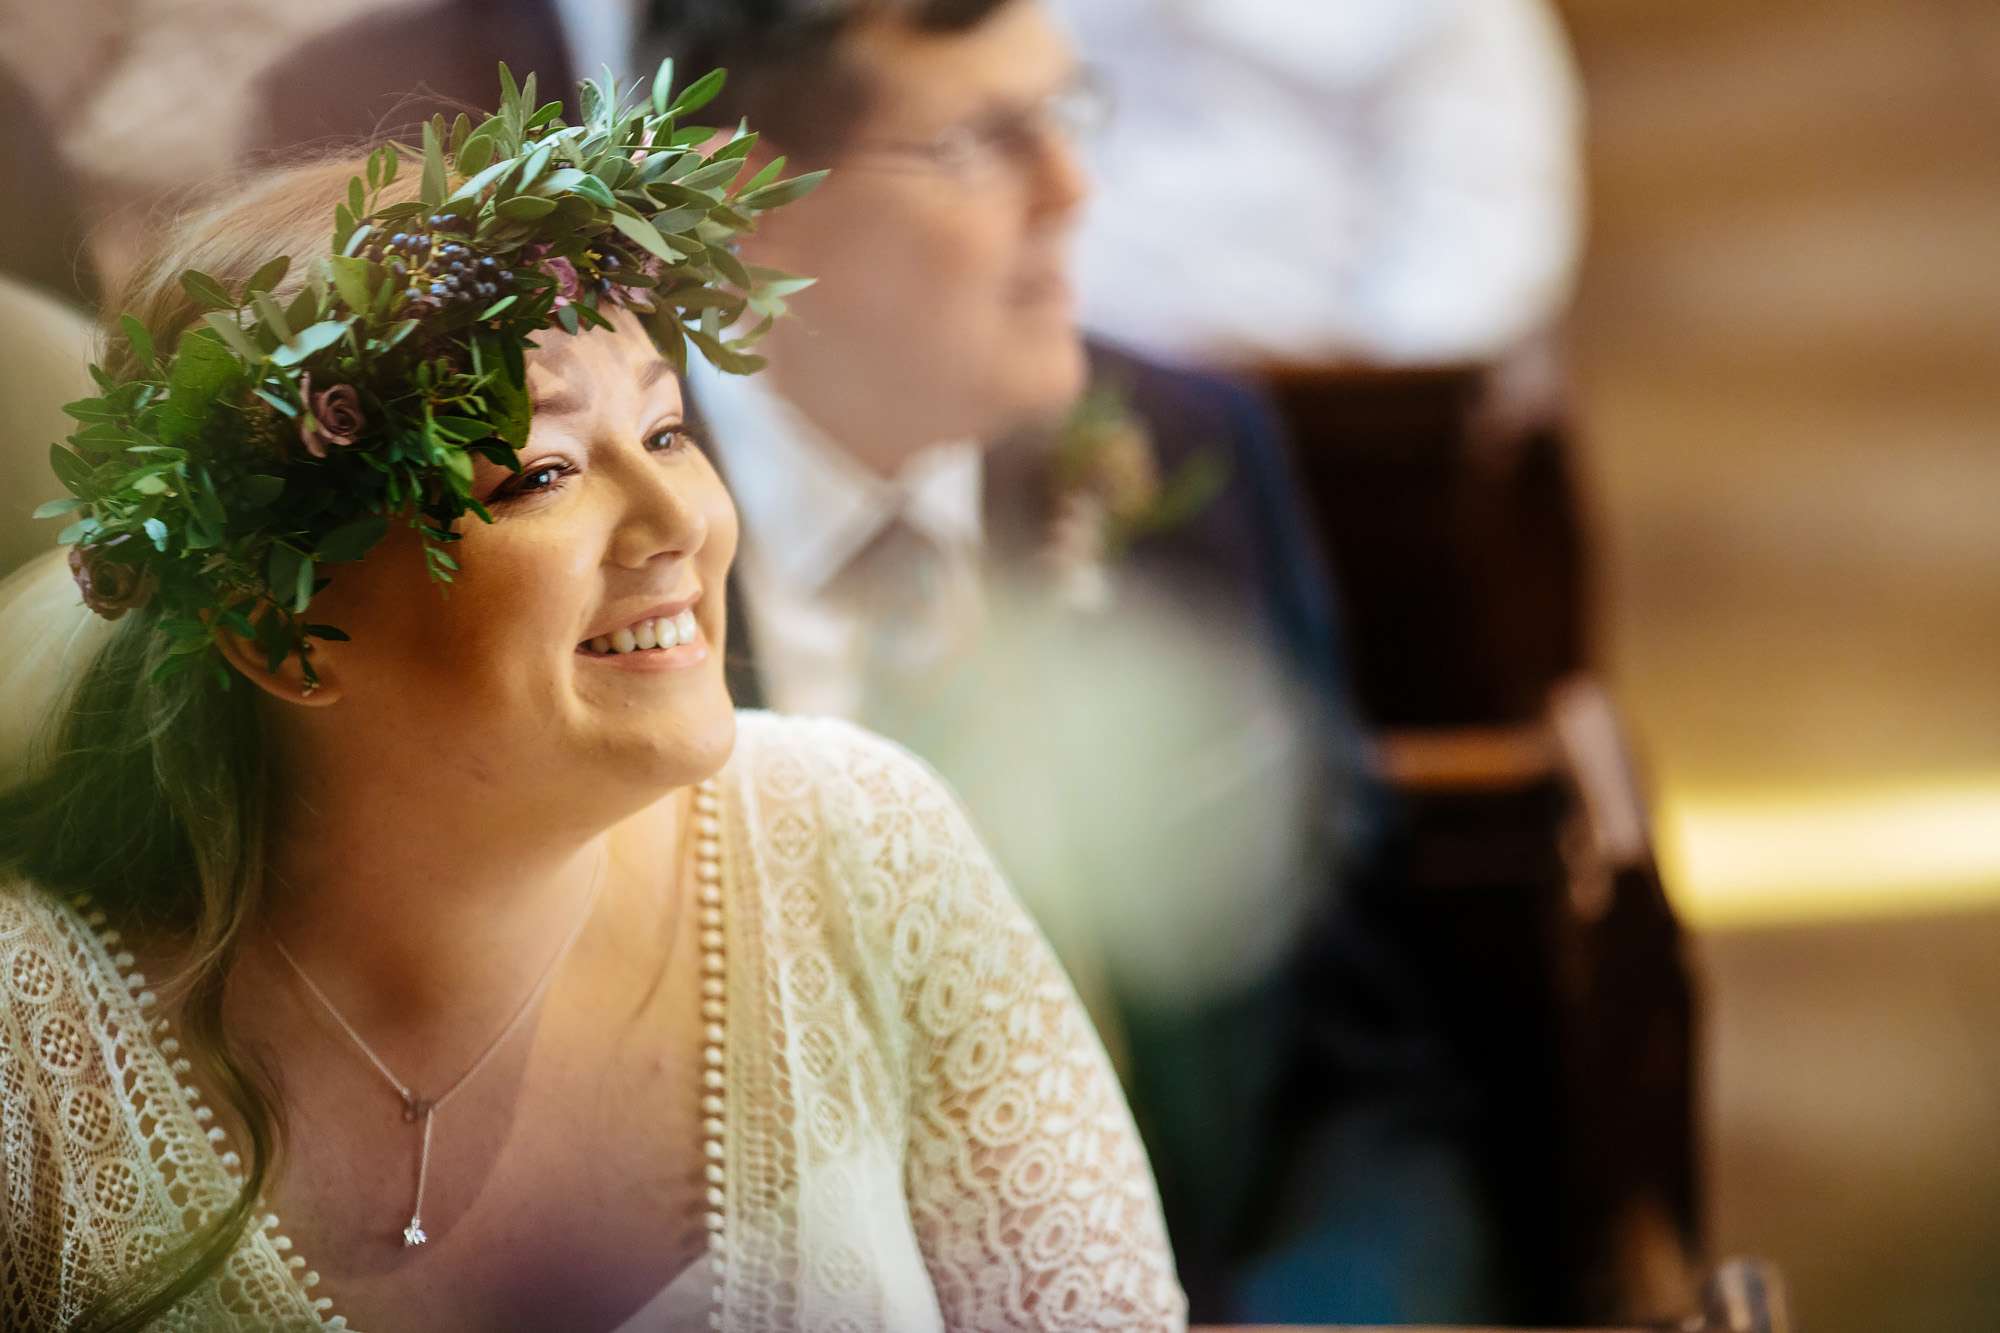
(438, 268)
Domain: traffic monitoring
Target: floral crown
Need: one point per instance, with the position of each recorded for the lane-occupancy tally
(364, 399)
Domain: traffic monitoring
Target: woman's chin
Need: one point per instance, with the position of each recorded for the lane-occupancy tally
(673, 746)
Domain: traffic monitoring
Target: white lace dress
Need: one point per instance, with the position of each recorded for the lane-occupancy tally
(921, 1130)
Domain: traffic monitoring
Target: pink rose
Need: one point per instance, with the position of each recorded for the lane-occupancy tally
(568, 286)
(109, 588)
(333, 417)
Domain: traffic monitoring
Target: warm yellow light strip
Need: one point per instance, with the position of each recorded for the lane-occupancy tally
(1764, 856)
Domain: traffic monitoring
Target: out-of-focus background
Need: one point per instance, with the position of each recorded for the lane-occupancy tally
(1787, 344)
(1781, 418)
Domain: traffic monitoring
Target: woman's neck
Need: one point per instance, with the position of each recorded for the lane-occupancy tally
(413, 911)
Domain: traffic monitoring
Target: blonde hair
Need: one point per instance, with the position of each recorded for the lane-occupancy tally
(152, 795)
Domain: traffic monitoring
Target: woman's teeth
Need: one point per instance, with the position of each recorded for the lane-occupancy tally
(666, 632)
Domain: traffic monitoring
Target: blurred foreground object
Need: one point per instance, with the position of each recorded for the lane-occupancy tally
(1404, 178)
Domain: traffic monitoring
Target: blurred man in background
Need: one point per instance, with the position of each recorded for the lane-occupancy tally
(1141, 698)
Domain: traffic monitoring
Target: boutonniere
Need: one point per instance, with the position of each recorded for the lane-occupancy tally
(1108, 492)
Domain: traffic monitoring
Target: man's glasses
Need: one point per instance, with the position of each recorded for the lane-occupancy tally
(983, 149)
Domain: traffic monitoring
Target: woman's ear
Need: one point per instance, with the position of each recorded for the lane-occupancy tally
(288, 682)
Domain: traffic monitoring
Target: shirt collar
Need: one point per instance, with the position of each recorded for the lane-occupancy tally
(787, 476)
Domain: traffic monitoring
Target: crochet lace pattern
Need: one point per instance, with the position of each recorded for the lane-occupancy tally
(923, 1130)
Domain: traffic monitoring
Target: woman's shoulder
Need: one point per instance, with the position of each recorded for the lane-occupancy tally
(830, 763)
(826, 794)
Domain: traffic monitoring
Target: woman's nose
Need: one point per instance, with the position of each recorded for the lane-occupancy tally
(658, 518)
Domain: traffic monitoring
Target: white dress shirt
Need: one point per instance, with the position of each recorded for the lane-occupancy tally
(808, 509)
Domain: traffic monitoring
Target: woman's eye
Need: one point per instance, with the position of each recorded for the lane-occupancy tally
(533, 481)
(669, 438)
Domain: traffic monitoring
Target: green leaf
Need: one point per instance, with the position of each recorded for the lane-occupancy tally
(483, 178)
(473, 158)
(92, 409)
(509, 91)
(769, 172)
(670, 339)
(769, 298)
(736, 149)
(355, 280)
(461, 130)
(432, 191)
(499, 305)
(596, 191)
(270, 275)
(392, 160)
(545, 113)
(150, 483)
(204, 370)
(461, 428)
(663, 86)
(317, 338)
(784, 192)
(356, 238)
(257, 491)
(284, 408)
(525, 208)
(305, 308)
(331, 633)
(273, 317)
(141, 340)
(231, 332)
(729, 266)
(723, 357)
(352, 540)
(697, 94)
(538, 162)
(713, 174)
(156, 530)
(646, 234)
(207, 292)
(303, 591)
(57, 508)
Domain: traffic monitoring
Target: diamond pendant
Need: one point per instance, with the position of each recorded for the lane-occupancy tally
(413, 1234)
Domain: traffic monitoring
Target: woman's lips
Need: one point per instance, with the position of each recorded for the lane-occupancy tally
(661, 643)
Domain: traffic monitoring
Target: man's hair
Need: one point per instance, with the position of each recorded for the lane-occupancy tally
(786, 74)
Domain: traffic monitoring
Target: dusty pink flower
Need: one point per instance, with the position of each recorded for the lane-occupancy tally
(568, 286)
(109, 587)
(333, 416)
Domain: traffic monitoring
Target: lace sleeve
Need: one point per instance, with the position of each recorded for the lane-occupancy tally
(1033, 1203)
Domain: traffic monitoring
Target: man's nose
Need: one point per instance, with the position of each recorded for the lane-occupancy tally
(1061, 179)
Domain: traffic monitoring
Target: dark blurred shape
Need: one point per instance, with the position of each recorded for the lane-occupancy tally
(42, 242)
(1528, 883)
(387, 71)
(1462, 555)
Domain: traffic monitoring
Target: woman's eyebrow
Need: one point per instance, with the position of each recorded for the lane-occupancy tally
(564, 400)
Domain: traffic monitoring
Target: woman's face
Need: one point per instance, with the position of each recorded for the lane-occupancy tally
(531, 667)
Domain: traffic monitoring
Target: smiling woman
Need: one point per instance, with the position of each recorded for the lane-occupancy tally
(574, 997)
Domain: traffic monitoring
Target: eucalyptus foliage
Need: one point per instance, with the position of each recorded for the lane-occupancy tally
(280, 436)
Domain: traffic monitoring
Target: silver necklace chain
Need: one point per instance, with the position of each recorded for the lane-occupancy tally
(424, 1109)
